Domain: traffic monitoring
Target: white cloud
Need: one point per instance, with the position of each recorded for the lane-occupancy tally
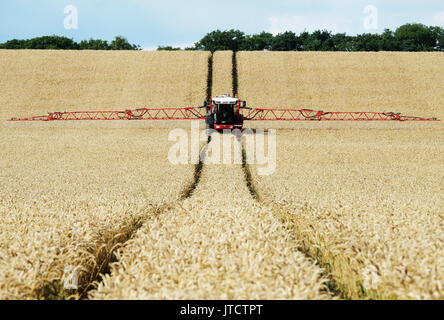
(299, 23)
(439, 18)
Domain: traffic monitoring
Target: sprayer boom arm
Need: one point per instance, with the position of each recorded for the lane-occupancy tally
(197, 113)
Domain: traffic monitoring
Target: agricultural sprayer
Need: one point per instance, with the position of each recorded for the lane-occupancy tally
(224, 112)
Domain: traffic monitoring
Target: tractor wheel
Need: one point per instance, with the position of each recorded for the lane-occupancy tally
(239, 120)
(209, 121)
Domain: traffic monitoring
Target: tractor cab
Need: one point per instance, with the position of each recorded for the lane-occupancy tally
(223, 113)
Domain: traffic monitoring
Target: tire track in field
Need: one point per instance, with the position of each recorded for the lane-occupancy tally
(220, 243)
(106, 253)
(332, 285)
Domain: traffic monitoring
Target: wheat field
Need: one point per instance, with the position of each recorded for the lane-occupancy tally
(69, 196)
(73, 191)
(353, 210)
(368, 202)
(222, 73)
(366, 198)
(35, 82)
(410, 83)
(218, 244)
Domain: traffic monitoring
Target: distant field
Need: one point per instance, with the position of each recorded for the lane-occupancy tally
(222, 73)
(411, 83)
(40, 81)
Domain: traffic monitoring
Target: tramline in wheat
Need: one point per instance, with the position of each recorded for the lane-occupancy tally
(357, 186)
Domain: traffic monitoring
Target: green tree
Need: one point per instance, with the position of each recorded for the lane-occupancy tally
(121, 43)
(257, 42)
(342, 42)
(441, 40)
(15, 44)
(409, 37)
(303, 39)
(367, 42)
(221, 40)
(50, 42)
(439, 36)
(63, 43)
(416, 37)
(167, 48)
(94, 45)
(286, 41)
(388, 41)
(319, 41)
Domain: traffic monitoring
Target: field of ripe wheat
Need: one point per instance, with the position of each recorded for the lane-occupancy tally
(352, 208)
(34, 82)
(72, 191)
(368, 203)
(218, 244)
(222, 73)
(69, 196)
(410, 83)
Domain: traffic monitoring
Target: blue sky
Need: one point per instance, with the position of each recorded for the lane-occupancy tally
(181, 23)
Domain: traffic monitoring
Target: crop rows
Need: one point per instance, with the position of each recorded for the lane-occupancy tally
(69, 197)
(222, 69)
(411, 83)
(368, 203)
(73, 192)
(34, 82)
(364, 201)
(218, 244)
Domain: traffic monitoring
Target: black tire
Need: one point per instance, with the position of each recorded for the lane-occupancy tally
(209, 121)
(239, 120)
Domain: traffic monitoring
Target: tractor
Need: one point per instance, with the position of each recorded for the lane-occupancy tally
(223, 113)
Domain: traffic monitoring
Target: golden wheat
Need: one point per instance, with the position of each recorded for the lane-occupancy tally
(222, 73)
(218, 244)
(364, 199)
(411, 83)
(69, 195)
(33, 82)
(369, 203)
(72, 190)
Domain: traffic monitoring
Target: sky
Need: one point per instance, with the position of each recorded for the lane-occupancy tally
(182, 23)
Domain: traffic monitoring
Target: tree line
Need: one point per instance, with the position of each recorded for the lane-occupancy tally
(409, 37)
(63, 43)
